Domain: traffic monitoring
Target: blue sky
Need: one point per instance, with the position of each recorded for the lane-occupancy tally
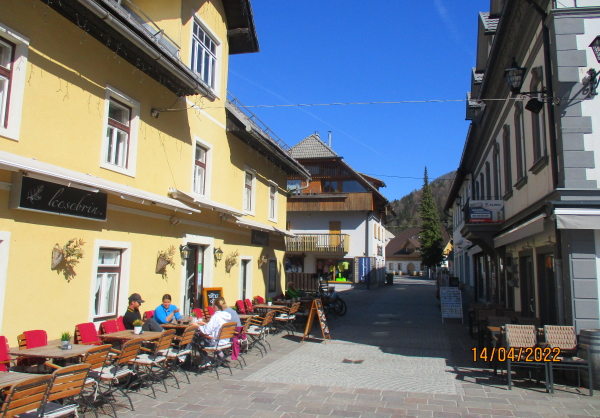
(332, 51)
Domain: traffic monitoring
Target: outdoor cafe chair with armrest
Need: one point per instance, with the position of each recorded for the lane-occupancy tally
(86, 333)
(4, 356)
(259, 328)
(241, 307)
(562, 342)
(249, 307)
(117, 376)
(520, 343)
(179, 351)
(150, 365)
(26, 396)
(68, 383)
(32, 339)
(287, 318)
(218, 353)
(98, 358)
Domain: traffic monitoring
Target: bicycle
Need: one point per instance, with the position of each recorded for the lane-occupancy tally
(333, 303)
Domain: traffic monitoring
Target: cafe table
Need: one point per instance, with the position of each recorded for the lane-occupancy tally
(52, 351)
(7, 379)
(129, 335)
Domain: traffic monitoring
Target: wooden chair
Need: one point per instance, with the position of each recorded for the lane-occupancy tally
(206, 314)
(148, 315)
(107, 327)
(218, 353)
(472, 308)
(86, 333)
(198, 312)
(564, 341)
(26, 396)
(4, 356)
(179, 351)
(68, 382)
(150, 366)
(287, 318)
(521, 340)
(117, 376)
(258, 328)
(98, 359)
(481, 324)
(32, 339)
(249, 307)
(241, 307)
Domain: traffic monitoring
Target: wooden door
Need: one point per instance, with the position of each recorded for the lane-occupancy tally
(335, 229)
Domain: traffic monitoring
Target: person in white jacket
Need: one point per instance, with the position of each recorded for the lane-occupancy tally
(212, 328)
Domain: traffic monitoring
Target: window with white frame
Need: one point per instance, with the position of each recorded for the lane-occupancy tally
(200, 170)
(119, 142)
(7, 53)
(107, 282)
(118, 133)
(14, 48)
(273, 202)
(204, 55)
(249, 177)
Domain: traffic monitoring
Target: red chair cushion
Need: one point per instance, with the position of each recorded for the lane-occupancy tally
(241, 307)
(260, 299)
(4, 356)
(121, 324)
(249, 306)
(88, 333)
(198, 312)
(211, 310)
(110, 326)
(148, 314)
(36, 338)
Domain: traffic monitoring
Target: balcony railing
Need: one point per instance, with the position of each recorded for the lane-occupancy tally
(482, 211)
(330, 243)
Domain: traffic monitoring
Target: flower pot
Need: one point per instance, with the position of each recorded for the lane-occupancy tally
(269, 303)
(161, 264)
(65, 345)
(137, 330)
(57, 256)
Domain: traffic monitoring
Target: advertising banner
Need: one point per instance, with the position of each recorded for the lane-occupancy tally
(486, 211)
(364, 269)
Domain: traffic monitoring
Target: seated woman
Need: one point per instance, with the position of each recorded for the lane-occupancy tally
(292, 292)
(166, 311)
(212, 328)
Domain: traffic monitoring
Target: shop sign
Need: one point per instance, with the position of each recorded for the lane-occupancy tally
(364, 269)
(259, 238)
(44, 196)
(486, 211)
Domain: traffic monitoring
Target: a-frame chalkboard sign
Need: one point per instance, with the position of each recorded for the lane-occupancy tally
(317, 312)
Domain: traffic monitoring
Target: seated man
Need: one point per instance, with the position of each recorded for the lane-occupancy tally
(133, 314)
(292, 292)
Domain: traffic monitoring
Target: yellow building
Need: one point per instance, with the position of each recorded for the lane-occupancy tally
(116, 129)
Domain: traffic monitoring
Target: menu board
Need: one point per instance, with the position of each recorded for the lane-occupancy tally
(451, 300)
(317, 312)
(210, 294)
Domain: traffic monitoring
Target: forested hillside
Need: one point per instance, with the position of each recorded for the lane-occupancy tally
(407, 208)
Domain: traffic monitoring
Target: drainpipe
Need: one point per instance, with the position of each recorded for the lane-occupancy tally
(367, 244)
(553, 159)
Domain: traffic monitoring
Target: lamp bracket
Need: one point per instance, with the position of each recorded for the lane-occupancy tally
(593, 81)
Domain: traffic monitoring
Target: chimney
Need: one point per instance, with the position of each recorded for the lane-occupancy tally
(329, 139)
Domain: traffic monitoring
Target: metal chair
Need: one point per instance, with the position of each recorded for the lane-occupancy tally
(259, 328)
(564, 341)
(98, 359)
(26, 396)
(218, 352)
(287, 318)
(150, 366)
(68, 382)
(179, 351)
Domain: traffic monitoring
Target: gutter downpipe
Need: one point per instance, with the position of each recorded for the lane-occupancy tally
(127, 33)
(368, 280)
(558, 260)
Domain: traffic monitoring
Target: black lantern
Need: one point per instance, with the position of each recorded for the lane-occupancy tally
(218, 254)
(595, 45)
(514, 77)
(185, 252)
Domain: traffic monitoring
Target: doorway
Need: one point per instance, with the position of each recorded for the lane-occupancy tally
(194, 273)
(528, 308)
(244, 279)
(546, 288)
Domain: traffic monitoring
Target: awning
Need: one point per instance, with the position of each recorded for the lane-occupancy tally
(531, 227)
(206, 203)
(567, 218)
(260, 226)
(49, 172)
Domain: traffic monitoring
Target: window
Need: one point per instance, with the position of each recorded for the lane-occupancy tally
(496, 167)
(119, 142)
(249, 180)
(107, 282)
(488, 181)
(330, 186)
(117, 133)
(7, 52)
(507, 161)
(204, 55)
(14, 48)
(519, 141)
(482, 186)
(352, 186)
(200, 170)
(272, 276)
(273, 202)
(537, 119)
(294, 184)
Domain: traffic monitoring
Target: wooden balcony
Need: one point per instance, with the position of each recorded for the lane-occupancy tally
(324, 243)
(321, 202)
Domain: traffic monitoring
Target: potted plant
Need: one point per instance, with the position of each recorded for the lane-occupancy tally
(65, 258)
(137, 326)
(269, 301)
(231, 261)
(165, 259)
(65, 339)
(194, 317)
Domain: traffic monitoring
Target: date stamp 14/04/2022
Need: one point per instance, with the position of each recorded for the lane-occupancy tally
(528, 354)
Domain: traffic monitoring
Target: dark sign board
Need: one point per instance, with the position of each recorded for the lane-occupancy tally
(364, 269)
(259, 238)
(44, 196)
(212, 293)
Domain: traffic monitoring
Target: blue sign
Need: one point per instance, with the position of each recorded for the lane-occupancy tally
(364, 269)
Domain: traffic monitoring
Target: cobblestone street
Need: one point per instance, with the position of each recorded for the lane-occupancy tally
(413, 365)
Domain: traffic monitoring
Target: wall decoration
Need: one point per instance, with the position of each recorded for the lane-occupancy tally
(165, 259)
(65, 258)
(261, 261)
(231, 260)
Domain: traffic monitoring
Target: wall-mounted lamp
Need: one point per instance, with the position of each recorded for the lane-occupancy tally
(155, 113)
(185, 251)
(218, 254)
(514, 78)
(457, 200)
(593, 79)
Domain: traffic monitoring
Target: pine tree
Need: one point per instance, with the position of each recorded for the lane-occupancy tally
(431, 233)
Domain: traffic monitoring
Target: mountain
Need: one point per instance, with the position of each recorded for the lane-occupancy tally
(407, 207)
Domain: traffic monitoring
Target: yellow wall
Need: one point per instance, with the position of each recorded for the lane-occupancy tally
(62, 124)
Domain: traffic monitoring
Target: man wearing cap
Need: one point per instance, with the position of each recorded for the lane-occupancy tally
(133, 314)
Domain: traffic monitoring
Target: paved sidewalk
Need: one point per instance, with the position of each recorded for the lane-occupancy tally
(413, 365)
